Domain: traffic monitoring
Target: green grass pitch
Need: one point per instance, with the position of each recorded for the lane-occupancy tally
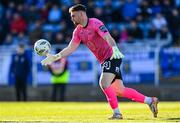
(85, 112)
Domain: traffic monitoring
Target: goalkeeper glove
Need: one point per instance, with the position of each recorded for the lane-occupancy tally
(50, 59)
(116, 53)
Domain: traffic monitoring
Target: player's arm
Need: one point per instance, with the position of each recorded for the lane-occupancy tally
(116, 53)
(109, 39)
(73, 45)
(65, 52)
(68, 50)
(104, 33)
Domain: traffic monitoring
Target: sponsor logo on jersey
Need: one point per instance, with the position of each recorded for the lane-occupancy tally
(103, 28)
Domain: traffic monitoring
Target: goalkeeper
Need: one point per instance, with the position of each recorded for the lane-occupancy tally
(96, 37)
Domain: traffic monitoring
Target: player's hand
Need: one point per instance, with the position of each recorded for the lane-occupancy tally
(116, 53)
(48, 60)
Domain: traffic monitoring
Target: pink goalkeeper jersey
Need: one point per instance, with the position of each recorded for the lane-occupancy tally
(92, 36)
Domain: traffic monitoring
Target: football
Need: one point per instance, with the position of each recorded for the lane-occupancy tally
(42, 47)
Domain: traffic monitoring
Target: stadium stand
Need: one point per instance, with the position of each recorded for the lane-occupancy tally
(19, 19)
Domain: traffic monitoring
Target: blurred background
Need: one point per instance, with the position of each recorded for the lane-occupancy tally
(146, 31)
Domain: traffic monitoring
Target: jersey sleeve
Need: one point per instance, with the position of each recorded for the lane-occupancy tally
(75, 37)
(100, 27)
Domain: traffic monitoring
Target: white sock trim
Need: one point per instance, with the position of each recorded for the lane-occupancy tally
(148, 100)
(116, 111)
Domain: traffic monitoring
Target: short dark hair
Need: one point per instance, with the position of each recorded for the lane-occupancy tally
(77, 7)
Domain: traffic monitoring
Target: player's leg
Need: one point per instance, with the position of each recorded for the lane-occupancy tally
(62, 92)
(54, 92)
(105, 84)
(17, 89)
(134, 95)
(24, 90)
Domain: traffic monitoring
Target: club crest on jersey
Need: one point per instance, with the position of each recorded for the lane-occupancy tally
(117, 70)
(103, 28)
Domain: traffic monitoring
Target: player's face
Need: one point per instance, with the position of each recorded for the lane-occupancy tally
(76, 17)
(20, 50)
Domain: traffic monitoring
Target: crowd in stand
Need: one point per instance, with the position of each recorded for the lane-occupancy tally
(25, 21)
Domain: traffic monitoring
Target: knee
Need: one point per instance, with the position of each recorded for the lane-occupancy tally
(121, 91)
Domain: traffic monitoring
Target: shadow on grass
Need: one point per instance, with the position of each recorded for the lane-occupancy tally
(175, 118)
(129, 119)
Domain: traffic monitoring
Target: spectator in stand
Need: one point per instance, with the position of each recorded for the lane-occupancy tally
(156, 7)
(21, 11)
(8, 15)
(159, 21)
(144, 11)
(23, 39)
(59, 38)
(134, 32)
(174, 24)
(33, 14)
(165, 38)
(177, 3)
(129, 10)
(123, 35)
(80, 1)
(108, 10)
(67, 2)
(115, 34)
(1, 24)
(91, 7)
(8, 40)
(63, 26)
(48, 36)
(10, 9)
(152, 32)
(66, 16)
(165, 34)
(167, 8)
(44, 14)
(99, 13)
(1, 11)
(40, 3)
(18, 24)
(36, 33)
(68, 37)
(116, 14)
(1, 36)
(55, 14)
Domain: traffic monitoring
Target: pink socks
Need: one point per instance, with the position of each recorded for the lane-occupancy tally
(117, 89)
(133, 95)
(111, 97)
(129, 93)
